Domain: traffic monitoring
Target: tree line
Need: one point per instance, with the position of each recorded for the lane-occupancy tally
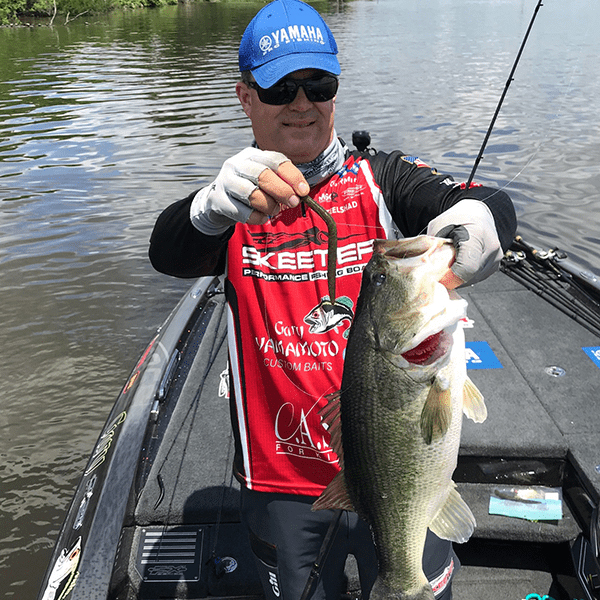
(12, 10)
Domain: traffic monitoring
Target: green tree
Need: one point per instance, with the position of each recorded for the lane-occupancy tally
(9, 9)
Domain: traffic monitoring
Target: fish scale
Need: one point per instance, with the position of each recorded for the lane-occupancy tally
(396, 424)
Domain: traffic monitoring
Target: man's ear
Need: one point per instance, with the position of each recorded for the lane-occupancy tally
(244, 96)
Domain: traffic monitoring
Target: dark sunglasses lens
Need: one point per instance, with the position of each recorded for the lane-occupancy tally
(280, 93)
(321, 90)
(284, 91)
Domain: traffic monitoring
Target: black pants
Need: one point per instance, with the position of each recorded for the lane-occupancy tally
(286, 537)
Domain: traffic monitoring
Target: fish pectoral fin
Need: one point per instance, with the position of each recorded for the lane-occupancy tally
(331, 411)
(335, 495)
(437, 412)
(473, 404)
(330, 418)
(454, 521)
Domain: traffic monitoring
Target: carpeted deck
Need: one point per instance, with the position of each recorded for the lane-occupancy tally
(536, 423)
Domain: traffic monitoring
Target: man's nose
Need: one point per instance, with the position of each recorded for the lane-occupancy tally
(300, 102)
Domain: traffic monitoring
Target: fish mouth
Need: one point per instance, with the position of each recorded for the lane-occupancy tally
(434, 342)
(430, 350)
(419, 247)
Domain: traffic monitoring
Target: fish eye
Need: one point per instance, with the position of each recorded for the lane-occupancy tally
(378, 278)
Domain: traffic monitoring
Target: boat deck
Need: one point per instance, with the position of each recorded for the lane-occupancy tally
(542, 416)
(543, 403)
(538, 370)
(542, 428)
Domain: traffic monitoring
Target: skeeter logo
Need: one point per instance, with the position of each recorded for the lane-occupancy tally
(87, 494)
(303, 260)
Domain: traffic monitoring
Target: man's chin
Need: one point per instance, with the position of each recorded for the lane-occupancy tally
(303, 145)
(299, 144)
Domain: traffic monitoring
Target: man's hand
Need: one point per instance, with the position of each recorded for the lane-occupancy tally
(470, 226)
(277, 188)
(251, 187)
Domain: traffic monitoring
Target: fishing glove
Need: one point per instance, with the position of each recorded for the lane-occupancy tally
(470, 225)
(226, 200)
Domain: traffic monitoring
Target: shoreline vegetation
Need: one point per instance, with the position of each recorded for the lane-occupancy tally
(22, 12)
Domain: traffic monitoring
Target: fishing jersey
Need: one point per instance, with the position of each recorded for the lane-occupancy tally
(286, 336)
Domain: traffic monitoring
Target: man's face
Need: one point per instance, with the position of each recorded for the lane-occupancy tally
(301, 129)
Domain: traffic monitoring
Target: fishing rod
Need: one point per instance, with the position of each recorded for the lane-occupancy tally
(561, 282)
(500, 102)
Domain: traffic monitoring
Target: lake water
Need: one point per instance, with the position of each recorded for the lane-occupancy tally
(105, 121)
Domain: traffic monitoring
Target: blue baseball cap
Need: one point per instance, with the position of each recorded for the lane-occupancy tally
(286, 36)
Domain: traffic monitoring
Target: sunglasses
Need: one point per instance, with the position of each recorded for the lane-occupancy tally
(317, 89)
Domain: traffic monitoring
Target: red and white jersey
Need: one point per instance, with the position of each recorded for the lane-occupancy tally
(286, 338)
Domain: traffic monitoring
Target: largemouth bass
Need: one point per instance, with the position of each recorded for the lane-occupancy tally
(396, 421)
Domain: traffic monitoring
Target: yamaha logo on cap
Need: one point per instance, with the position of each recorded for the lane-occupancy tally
(287, 36)
(293, 33)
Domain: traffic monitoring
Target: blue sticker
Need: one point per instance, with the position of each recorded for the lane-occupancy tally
(594, 353)
(479, 355)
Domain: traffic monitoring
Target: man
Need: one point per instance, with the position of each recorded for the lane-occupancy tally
(285, 344)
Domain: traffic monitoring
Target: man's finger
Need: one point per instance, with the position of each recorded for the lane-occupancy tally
(257, 218)
(272, 185)
(294, 178)
(265, 203)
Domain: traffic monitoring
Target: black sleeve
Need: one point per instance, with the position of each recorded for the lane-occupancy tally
(177, 248)
(415, 194)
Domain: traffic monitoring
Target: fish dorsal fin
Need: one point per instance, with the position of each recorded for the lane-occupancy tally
(345, 301)
(437, 410)
(454, 521)
(335, 494)
(473, 404)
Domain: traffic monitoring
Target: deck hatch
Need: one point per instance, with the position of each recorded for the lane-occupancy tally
(170, 554)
